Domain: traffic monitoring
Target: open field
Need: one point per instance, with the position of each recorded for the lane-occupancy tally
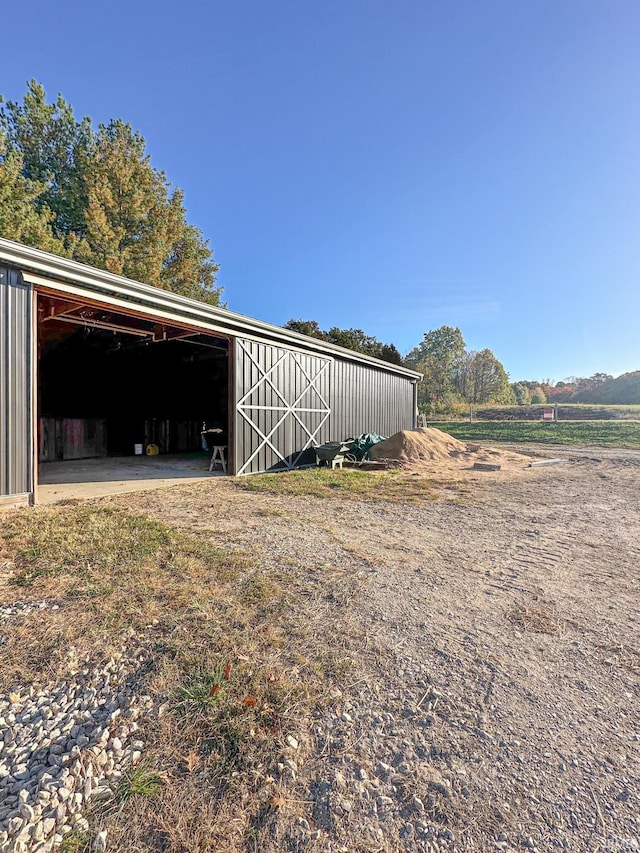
(580, 433)
(319, 671)
(566, 411)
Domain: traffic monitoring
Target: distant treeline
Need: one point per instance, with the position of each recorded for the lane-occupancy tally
(601, 388)
(454, 376)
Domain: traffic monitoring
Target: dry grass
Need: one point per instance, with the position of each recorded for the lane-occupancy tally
(239, 656)
(345, 484)
(111, 572)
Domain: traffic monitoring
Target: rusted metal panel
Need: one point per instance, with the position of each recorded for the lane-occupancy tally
(364, 399)
(16, 377)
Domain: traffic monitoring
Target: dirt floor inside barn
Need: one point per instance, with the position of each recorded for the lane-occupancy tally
(477, 656)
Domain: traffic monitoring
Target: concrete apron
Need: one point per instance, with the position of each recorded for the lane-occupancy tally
(92, 478)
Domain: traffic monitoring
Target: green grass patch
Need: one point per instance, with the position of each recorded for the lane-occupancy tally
(203, 689)
(140, 782)
(589, 433)
(76, 842)
(343, 483)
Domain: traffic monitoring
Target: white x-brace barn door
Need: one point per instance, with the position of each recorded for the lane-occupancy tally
(282, 406)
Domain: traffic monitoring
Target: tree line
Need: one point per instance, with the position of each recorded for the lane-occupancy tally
(91, 194)
(453, 375)
(599, 389)
(354, 339)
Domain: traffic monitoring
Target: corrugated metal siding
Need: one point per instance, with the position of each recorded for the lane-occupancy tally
(281, 405)
(284, 396)
(15, 384)
(364, 399)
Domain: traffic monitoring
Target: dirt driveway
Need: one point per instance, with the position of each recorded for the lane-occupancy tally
(489, 696)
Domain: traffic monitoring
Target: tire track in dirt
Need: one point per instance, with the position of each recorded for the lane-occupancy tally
(460, 728)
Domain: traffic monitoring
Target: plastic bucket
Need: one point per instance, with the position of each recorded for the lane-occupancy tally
(137, 449)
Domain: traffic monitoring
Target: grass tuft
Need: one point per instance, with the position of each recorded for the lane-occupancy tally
(203, 689)
(140, 782)
(76, 842)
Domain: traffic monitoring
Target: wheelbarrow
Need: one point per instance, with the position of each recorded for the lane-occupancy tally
(331, 453)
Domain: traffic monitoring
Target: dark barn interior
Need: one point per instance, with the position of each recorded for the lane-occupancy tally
(109, 381)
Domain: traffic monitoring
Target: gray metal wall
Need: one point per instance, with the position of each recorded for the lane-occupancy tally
(287, 400)
(16, 464)
(281, 406)
(364, 399)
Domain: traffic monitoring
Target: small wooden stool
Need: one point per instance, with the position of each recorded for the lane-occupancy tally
(219, 457)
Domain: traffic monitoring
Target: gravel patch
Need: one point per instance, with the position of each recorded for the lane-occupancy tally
(63, 746)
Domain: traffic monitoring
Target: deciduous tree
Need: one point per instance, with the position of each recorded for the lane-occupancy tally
(522, 393)
(438, 357)
(354, 339)
(305, 327)
(483, 379)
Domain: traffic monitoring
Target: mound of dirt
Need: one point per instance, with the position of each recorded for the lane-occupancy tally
(429, 451)
(419, 445)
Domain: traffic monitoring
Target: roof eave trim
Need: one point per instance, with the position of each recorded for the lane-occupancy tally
(54, 267)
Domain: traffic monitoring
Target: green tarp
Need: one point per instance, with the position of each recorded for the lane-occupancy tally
(360, 446)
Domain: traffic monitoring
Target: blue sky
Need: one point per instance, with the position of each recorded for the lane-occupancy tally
(387, 166)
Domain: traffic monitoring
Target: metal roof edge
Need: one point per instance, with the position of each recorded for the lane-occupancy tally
(55, 267)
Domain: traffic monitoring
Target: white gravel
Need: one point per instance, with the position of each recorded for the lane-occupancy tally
(63, 745)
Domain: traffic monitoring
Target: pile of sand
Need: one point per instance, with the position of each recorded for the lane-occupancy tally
(421, 445)
(431, 451)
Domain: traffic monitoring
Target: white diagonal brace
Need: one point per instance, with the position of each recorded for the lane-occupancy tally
(265, 376)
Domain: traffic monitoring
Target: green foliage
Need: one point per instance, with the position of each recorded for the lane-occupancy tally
(521, 393)
(94, 196)
(353, 339)
(445, 344)
(305, 327)
(203, 689)
(140, 783)
(438, 357)
(54, 148)
(76, 842)
(624, 390)
(538, 395)
(451, 375)
(482, 379)
(20, 218)
(601, 388)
